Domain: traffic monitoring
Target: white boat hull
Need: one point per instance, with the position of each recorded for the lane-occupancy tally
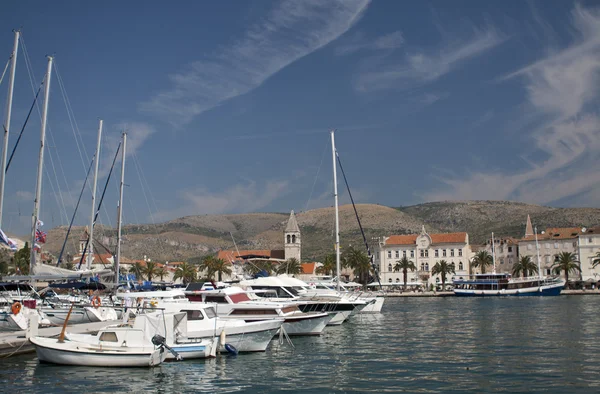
(80, 315)
(306, 325)
(374, 307)
(338, 318)
(67, 353)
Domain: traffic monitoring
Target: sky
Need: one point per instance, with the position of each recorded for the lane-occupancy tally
(228, 105)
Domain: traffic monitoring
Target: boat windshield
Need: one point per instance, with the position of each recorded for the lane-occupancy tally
(210, 312)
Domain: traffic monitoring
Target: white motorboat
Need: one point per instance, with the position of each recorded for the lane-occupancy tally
(14, 316)
(57, 313)
(110, 347)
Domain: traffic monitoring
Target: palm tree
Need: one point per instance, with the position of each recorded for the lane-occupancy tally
(524, 267)
(404, 265)
(443, 268)
(566, 261)
(596, 260)
(138, 270)
(208, 265)
(150, 270)
(359, 262)
(329, 265)
(482, 259)
(161, 273)
(186, 272)
(221, 267)
(291, 266)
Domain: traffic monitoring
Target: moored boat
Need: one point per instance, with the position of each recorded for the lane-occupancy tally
(502, 284)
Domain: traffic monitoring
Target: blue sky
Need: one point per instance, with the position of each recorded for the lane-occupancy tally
(228, 104)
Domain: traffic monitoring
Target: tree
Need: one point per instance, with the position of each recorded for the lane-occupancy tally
(221, 267)
(186, 272)
(138, 270)
(442, 268)
(291, 267)
(208, 265)
(150, 270)
(329, 265)
(21, 261)
(566, 261)
(404, 265)
(596, 260)
(5, 261)
(161, 273)
(524, 267)
(482, 260)
(359, 262)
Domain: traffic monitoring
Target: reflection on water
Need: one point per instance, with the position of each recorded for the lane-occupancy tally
(428, 345)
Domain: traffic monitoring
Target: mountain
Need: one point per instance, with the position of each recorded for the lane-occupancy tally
(191, 237)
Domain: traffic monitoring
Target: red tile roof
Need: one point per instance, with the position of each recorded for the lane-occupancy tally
(308, 268)
(445, 238)
(234, 255)
(562, 233)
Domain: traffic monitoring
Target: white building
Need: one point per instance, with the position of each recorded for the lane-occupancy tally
(551, 242)
(589, 246)
(424, 250)
(505, 253)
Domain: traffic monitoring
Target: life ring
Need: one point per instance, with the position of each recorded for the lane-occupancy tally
(96, 302)
(16, 308)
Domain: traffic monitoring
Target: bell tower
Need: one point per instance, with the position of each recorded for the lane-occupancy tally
(291, 239)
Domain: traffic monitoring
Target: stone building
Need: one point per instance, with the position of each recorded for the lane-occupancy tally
(505, 251)
(424, 250)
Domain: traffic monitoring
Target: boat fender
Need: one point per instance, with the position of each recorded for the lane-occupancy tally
(16, 308)
(231, 349)
(222, 337)
(96, 302)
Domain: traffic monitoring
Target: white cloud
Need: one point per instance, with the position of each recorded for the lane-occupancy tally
(291, 31)
(137, 134)
(359, 42)
(562, 87)
(420, 66)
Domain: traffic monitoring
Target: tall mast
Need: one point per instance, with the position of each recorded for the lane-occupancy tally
(493, 252)
(40, 171)
(120, 209)
(337, 217)
(537, 248)
(11, 85)
(90, 256)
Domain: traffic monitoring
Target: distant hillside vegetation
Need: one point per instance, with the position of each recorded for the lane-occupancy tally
(191, 237)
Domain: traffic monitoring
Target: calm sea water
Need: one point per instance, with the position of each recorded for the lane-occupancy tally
(417, 345)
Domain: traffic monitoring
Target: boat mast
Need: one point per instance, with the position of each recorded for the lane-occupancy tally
(38, 189)
(493, 252)
(337, 217)
(537, 248)
(11, 85)
(120, 209)
(90, 255)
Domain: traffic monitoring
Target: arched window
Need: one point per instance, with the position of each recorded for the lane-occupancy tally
(289, 237)
(426, 266)
(390, 280)
(397, 280)
(460, 266)
(390, 267)
(294, 238)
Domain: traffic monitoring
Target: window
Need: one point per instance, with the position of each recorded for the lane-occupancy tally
(451, 252)
(555, 245)
(390, 280)
(510, 261)
(426, 253)
(294, 238)
(422, 253)
(397, 280)
(422, 266)
(460, 266)
(210, 312)
(443, 252)
(390, 267)
(412, 253)
(590, 240)
(501, 261)
(426, 266)
(289, 238)
(404, 253)
(194, 315)
(109, 337)
(528, 246)
(397, 254)
(547, 271)
(547, 259)
(437, 253)
(510, 249)
(389, 254)
(575, 244)
(459, 252)
(547, 246)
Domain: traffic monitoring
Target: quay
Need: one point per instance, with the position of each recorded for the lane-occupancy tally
(451, 294)
(16, 342)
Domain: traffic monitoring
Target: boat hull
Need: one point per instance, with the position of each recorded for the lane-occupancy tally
(50, 351)
(313, 325)
(374, 307)
(538, 291)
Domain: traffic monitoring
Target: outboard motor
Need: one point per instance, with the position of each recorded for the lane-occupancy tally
(160, 341)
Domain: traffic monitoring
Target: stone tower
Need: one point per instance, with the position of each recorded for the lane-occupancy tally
(291, 239)
(528, 227)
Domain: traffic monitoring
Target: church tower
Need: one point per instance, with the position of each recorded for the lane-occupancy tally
(291, 239)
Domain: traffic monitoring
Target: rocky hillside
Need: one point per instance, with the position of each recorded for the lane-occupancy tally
(192, 237)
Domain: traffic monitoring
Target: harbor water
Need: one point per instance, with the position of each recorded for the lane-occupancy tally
(417, 345)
